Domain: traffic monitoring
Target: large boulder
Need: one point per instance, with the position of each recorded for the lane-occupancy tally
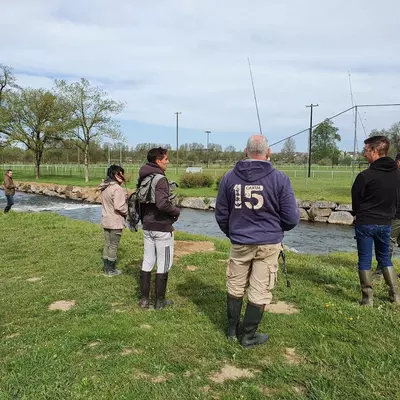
(324, 204)
(303, 204)
(193, 202)
(321, 219)
(341, 217)
(316, 212)
(48, 192)
(344, 207)
(303, 214)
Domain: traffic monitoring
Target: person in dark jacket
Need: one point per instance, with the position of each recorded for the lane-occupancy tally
(374, 195)
(255, 205)
(395, 233)
(157, 220)
(9, 190)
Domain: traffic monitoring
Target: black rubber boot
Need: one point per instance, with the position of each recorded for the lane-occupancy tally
(112, 270)
(106, 268)
(7, 209)
(145, 279)
(366, 287)
(252, 318)
(161, 288)
(391, 280)
(234, 308)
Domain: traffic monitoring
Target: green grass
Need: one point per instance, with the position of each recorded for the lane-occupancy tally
(347, 352)
(320, 187)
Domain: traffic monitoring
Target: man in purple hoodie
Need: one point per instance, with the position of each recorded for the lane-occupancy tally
(255, 205)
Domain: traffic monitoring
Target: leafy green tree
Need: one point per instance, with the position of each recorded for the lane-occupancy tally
(35, 118)
(323, 142)
(92, 111)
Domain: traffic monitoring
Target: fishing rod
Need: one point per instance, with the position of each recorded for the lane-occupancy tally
(255, 97)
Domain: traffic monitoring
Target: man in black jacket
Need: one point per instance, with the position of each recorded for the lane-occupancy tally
(375, 198)
(395, 234)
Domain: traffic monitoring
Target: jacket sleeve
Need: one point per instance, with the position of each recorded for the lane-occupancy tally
(357, 192)
(8, 183)
(222, 210)
(120, 204)
(289, 212)
(163, 202)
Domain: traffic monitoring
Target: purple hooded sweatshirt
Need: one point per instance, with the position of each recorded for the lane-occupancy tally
(256, 204)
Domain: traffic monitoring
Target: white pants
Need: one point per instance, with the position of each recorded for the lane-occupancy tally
(158, 248)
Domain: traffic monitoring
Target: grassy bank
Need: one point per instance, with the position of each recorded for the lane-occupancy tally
(105, 347)
(317, 188)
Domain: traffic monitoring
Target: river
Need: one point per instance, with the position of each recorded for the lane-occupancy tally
(307, 237)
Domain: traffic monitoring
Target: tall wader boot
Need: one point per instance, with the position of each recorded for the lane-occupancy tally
(161, 288)
(391, 280)
(366, 287)
(251, 320)
(145, 279)
(234, 308)
(106, 267)
(110, 269)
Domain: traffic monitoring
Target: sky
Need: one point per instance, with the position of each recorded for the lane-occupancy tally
(161, 57)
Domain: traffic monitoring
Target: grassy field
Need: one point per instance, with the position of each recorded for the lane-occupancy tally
(324, 184)
(105, 347)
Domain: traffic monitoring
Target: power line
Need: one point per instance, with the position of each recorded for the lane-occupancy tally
(337, 115)
(314, 126)
(362, 124)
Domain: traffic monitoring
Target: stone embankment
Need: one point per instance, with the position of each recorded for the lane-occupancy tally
(316, 211)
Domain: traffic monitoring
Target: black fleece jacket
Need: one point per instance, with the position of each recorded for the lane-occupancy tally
(375, 193)
(161, 215)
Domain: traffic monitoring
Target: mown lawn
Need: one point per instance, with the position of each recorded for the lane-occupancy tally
(105, 347)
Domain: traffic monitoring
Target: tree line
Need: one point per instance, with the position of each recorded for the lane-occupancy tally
(74, 123)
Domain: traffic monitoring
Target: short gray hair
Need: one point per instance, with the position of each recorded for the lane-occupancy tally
(257, 145)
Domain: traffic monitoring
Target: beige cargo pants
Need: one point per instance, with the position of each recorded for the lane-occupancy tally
(254, 267)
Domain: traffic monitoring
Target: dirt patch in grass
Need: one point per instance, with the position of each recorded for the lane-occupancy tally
(281, 307)
(13, 335)
(231, 373)
(291, 356)
(127, 351)
(62, 305)
(300, 389)
(191, 268)
(34, 279)
(93, 344)
(269, 391)
(184, 247)
(155, 379)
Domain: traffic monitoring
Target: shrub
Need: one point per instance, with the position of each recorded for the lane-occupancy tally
(196, 180)
(218, 180)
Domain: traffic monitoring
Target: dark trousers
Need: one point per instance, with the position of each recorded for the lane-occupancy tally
(10, 202)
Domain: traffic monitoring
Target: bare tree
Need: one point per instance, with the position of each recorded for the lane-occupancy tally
(92, 111)
(7, 81)
(289, 150)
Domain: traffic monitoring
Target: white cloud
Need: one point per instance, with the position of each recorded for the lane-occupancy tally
(191, 56)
